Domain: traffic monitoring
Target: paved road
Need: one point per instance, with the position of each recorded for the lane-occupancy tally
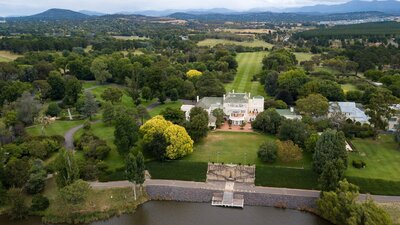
(69, 135)
(220, 186)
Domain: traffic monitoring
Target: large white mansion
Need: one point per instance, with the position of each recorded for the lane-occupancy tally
(238, 107)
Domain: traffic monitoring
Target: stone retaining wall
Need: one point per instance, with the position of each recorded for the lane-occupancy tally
(186, 194)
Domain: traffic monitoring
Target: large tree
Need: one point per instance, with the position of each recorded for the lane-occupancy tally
(57, 85)
(27, 108)
(90, 106)
(268, 121)
(126, 133)
(113, 95)
(198, 124)
(294, 130)
(73, 88)
(174, 115)
(67, 168)
(100, 70)
(292, 81)
(314, 105)
(378, 108)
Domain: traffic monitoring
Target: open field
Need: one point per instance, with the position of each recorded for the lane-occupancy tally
(97, 90)
(249, 31)
(250, 64)
(59, 127)
(382, 157)
(255, 43)
(157, 110)
(7, 56)
(348, 87)
(303, 56)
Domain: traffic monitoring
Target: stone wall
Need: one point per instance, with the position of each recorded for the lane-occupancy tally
(185, 194)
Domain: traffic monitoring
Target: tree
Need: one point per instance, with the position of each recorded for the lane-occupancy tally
(75, 193)
(198, 124)
(18, 209)
(37, 178)
(146, 93)
(193, 73)
(90, 106)
(268, 152)
(293, 130)
(271, 83)
(331, 174)
(16, 171)
(219, 115)
(179, 142)
(67, 169)
(371, 213)
(39, 203)
(126, 133)
(57, 85)
(267, 121)
(142, 113)
(314, 105)
(174, 95)
(113, 95)
(73, 89)
(288, 151)
(279, 60)
(53, 109)
(174, 115)
(108, 113)
(140, 178)
(292, 81)
(311, 142)
(157, 146)
(131, 170)
(27, 108)
(99, 68)
(132, 89)
(162, 97)
(209, 85)
(379, 109)
(329, 89)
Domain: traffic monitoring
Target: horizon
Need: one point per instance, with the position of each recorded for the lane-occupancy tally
(25, 8)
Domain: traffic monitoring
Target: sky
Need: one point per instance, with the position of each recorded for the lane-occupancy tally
(27, 7)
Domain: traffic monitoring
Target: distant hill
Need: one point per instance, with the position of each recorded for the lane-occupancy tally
(278, 17)
(55, 14)
(92, 13)
(386, 6)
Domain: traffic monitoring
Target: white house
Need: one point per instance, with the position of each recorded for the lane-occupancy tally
(350, 110)
(237, 107)
(395, 119)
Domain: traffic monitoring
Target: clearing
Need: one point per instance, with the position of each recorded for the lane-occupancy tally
(254, 43)
(250, 64)
(349, 87)
(303, 56)
(7, 56)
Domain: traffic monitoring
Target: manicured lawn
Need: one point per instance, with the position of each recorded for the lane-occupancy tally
(303, 56)
(382, 157)
(236, 147)
(255, 43)
(157, 110)
(348, 87)
(59, 127)
(250, 64)
(98, 90)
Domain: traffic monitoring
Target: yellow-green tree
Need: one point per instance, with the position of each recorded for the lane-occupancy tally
(177, 140)
(180, 143)
(193, 73)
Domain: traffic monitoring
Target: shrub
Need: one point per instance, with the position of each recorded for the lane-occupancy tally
(39, 203)
(268, 152)
(358, 164)
(288, 151)
(53, 109)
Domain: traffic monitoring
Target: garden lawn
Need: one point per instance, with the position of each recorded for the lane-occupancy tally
(382, 157)
(250, 64)
(157, 110)
(59, 127)
(236, 147)
(254, 43)
(97, 90)
(303, 56)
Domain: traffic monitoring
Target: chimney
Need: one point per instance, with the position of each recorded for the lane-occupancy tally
(291, 109)
(197, 98)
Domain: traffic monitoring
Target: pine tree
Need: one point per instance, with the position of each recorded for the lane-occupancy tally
(131, 170)
(90, 106)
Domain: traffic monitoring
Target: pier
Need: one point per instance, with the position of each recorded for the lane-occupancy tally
(228, 198)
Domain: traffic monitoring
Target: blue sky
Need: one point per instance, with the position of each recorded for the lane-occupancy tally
(24, 7)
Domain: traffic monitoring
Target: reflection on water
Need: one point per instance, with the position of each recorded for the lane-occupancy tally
(177, 213)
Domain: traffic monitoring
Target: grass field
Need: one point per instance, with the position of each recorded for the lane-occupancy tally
(157, 110)
(125, 38)
(97, 90)
(255, 43)
(250, 63)
(6, 56)
(302, 56)
(348, 87)
(382, 157)
(57, 128)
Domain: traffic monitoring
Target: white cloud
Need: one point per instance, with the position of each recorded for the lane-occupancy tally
(21, 7)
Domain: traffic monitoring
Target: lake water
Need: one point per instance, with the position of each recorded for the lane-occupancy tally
(178, 213)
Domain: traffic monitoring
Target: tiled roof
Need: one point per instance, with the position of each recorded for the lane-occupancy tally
(236, 98)
(207, 102)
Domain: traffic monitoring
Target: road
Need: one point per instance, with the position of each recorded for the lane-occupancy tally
(220, 186)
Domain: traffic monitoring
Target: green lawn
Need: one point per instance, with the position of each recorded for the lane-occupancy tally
(236, 147)
(59, 127)
(254, 43)
(2, 59)
(303, 56)
(348, 87)
(157, 110)
(97, 90)
(250, 64)
(382, 157)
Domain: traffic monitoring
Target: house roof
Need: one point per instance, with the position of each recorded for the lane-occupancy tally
(288, 114)
(236, 98)
(207, 102)
(351, 109)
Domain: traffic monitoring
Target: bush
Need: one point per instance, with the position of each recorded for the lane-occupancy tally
(288, 151)
(268, 152)
(358, 164)
(53, 109)
(39, 203)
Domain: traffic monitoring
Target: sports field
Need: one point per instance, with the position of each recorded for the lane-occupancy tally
(255, 43)
(250, 64)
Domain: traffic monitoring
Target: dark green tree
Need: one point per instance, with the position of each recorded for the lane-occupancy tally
(90, 106)
(268, 152)
(294, 130)
(126, 133)
(18, 209)
(174, 115)
(73, 89)
(67, 168)
(57, 85)
(268, 121)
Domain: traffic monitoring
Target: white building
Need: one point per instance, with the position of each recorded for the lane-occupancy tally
(395, 119)
(289, 114)
(238, 107)
(350, 110)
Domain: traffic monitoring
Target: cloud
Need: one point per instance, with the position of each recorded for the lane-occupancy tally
(21, 7)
